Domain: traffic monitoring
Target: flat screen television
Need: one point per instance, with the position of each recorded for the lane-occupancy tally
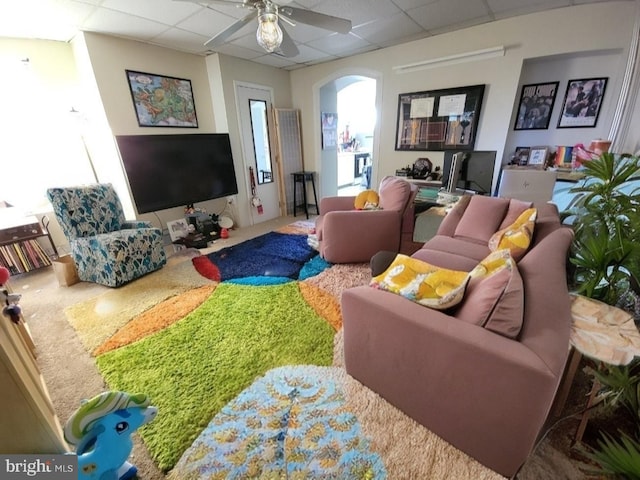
(166, 171)
(474, 172)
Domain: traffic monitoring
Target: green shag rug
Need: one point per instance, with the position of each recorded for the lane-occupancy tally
(193, 368)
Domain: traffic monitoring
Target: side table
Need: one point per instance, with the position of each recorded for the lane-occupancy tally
(603, 333)
(304, 177)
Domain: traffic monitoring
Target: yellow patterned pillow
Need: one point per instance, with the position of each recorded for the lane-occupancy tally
(421, 282)
(517, 236)
(367, 200)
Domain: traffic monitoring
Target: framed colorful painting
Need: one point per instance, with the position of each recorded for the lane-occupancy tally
(162, 101)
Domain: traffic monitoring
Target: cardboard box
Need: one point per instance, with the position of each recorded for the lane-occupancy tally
(65, 270)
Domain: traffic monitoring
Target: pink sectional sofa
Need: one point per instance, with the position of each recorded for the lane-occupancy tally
(486, 393)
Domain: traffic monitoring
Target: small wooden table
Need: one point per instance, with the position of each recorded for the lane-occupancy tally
(603, 333)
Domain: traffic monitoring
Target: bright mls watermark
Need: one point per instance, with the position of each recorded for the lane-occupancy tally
(50, 467)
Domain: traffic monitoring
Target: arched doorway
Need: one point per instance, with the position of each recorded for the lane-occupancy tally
(348, 166)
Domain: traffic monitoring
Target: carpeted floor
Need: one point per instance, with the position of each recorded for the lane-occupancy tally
(71, 373)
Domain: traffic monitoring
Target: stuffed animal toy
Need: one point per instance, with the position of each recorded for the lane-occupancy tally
(101, 430)
(9, 301)
(367, 200)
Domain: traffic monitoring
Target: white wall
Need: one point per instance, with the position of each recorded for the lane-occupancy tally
(603, 26)
(224, 72)
(564, 68)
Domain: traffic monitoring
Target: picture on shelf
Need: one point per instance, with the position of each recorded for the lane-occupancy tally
(178, 229)
(538, 156)
(521, 156)
(582, 102)
(536, 106)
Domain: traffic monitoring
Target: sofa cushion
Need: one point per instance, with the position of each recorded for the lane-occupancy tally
(458, 246)
(495, 296)
(394, 193)
(421, 282)
(482, 218)
(516, 237)
(516, 207)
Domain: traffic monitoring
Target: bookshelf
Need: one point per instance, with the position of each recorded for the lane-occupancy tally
(20, 251)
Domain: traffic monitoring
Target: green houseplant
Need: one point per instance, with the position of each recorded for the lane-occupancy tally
(605, 265)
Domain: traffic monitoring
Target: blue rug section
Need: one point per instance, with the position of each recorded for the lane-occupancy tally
(271, 255)
(313, 267)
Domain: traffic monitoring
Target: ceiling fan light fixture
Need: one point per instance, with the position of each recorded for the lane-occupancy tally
(269, 34)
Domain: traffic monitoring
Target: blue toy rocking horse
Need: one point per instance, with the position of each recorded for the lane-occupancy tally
(101, 430)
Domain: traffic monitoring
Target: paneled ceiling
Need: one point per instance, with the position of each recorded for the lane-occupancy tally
(186, 26)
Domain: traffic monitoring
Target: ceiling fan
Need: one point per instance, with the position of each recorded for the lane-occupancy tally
(270, 35)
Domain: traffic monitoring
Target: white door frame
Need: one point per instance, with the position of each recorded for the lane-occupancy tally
(269, 193)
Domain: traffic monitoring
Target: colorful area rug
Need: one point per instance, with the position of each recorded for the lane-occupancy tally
(193, 345)
(273, 254)
(312, 423)
(291, 423)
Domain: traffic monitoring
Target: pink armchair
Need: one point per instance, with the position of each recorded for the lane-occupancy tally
(346, 235)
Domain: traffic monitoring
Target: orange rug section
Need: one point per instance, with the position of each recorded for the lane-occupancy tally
(300, 227)
(323, 303)
(157, 318)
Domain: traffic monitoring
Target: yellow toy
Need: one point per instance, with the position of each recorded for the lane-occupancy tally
(367, 200)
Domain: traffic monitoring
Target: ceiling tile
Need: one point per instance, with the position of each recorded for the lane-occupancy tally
(388, 29)
(209, 23)
(120, 24)
(274, 61)
(181, 40)
(169, 13)
(337, 43)
(448, 12)
(507, 8)
(358, 11)
(51, 19)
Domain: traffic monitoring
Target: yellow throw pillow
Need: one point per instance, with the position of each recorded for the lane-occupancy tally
(421, 282)
(517, 236)
(367, 200)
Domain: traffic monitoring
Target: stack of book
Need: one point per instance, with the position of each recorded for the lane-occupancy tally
(24, 256)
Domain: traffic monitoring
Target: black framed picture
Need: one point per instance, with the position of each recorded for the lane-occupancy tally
(445, 119)
(582, 102)
(161, 101)
(536, 105)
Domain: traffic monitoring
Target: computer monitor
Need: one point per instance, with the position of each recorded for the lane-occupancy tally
(469, 171)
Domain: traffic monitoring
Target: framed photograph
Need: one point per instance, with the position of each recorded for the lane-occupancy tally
(178, 229)
(538, 156)
(536, 105)
(329, 130)
(445, 119)
(521, 156)
(582, 102)
(161, 101)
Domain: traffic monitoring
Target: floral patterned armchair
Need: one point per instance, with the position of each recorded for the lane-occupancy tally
(105, 247)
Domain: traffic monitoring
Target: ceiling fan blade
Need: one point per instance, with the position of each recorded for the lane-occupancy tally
(328, 22)
(287, 47)
(220, 38)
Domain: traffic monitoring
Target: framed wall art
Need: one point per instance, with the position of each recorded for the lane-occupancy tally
(536, 105)
(329, 130)
(161, 101)
(445, 119)
(582, 102)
